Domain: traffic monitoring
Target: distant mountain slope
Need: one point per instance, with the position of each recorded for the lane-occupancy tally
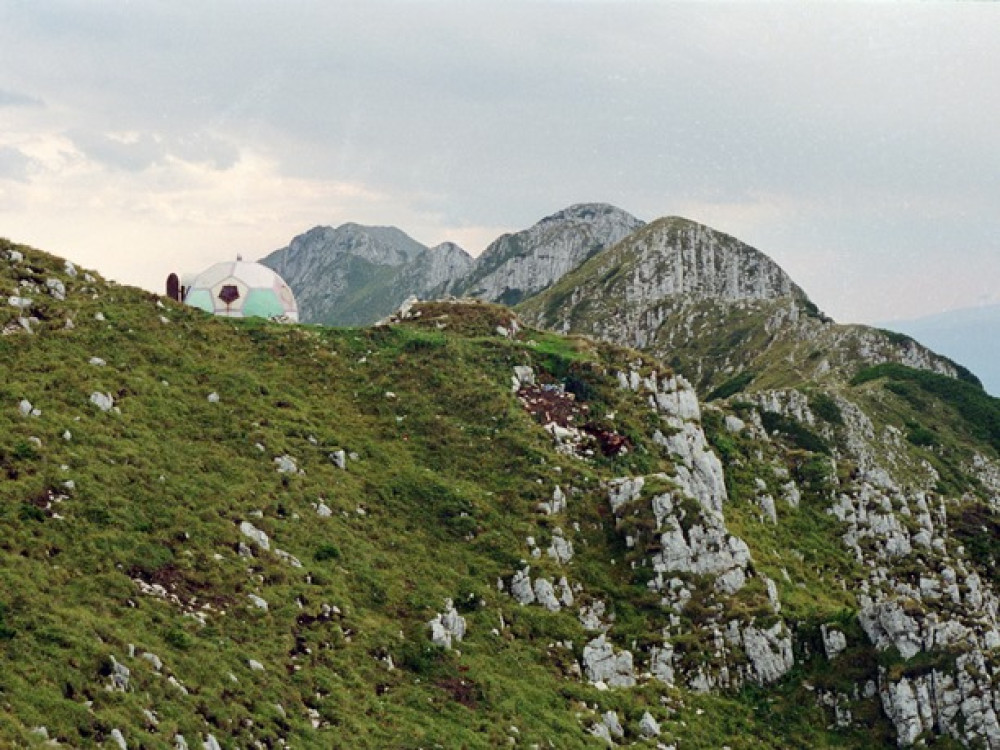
(354, 275)
(716, 309)
(454, 530)
(970, 336)
(519, 265)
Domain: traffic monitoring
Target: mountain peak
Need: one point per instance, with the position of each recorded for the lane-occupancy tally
(588, 212)
(675, 255)
(518, 265)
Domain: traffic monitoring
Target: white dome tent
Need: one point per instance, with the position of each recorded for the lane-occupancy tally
(241, 289)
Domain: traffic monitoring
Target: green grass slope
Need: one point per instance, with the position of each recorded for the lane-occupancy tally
(121, 542)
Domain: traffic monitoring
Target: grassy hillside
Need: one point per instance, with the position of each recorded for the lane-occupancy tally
(391, 469)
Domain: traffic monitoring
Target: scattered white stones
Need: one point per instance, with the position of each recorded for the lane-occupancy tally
(258, 602)
(648, 726)
(523, 376)
(56, 288)
(614, 726)
(255, 665)
(102, 401)
(834, 641)
(213, 398)
(119, 739)
(96, 362)
(287, 558)
(561, 548)
(556, 505)
(447, 627)
(339, 458)
(546, 595)
(592, 615)
(27, 410)
(520, 587)
(255, 535)
(286, 464)
(154, 660)
(119, 676)
(22, 303)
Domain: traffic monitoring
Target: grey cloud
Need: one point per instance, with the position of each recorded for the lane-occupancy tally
(14, 164)
(15, 99)
(133, 156)
(145, 150)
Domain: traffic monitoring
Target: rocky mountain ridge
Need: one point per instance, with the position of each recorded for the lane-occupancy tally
(354, 274)
(716, 309)
(517, 266)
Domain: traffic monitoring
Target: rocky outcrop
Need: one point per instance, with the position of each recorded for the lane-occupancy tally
(447, 627)
(715, 308)
(603, 664)
(519, 265)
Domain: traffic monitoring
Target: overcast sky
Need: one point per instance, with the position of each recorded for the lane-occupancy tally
(858, 144)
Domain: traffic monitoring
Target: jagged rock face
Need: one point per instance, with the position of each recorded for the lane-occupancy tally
(672, 257)
(923, 602)
(713, 307)
(355, 275)
(516, 266)
(433, 268)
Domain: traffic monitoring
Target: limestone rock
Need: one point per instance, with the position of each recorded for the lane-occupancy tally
(602, 665)
(556, 505)
(102, 401)
(624, 490)
(834, 641)
(518, 265)
(287, 557)
(561, 548)
(520, 587)
(523, 377)
(447, 627)
(648, 726)
(255, 535)
(56, 288)
(769, 651)
(614, 726)
(546, 595)
(120, 675)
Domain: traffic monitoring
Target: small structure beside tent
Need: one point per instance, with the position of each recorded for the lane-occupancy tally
(237, 289)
